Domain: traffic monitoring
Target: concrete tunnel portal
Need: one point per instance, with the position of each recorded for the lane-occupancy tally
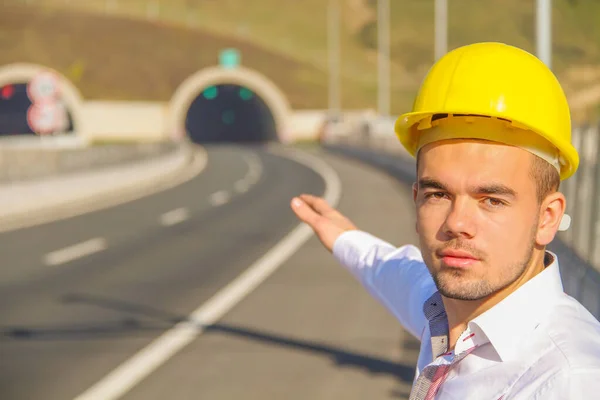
(218, 104)
(16, 111)
(230, 113)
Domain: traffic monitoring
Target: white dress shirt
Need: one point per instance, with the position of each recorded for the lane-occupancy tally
(537, 343)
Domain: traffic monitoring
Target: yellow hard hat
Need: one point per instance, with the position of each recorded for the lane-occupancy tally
(500, 82)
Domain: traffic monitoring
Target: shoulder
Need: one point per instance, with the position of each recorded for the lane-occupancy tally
(575, 334)
(568, 361)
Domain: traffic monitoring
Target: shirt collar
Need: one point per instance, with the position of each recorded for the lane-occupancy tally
(508, 322)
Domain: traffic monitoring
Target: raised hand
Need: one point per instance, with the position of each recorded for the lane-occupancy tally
(327, 223)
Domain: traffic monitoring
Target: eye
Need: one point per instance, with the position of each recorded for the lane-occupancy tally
(435, 195)
(494, 202)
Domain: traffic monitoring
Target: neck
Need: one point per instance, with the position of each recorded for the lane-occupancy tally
(460, 312)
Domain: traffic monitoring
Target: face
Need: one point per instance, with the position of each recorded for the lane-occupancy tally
(477, 215)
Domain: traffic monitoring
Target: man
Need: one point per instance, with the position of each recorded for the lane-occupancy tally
(491, 134)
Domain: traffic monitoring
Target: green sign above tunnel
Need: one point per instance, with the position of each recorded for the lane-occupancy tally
(229, 58)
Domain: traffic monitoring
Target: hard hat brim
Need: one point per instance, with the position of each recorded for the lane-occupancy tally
(406, 130)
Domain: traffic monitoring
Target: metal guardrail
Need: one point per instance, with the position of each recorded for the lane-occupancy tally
(582, 191)
(578, 248)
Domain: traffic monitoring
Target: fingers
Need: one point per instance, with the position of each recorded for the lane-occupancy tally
(305, 212)
(326, 230)
(325, 221)
(318, 204)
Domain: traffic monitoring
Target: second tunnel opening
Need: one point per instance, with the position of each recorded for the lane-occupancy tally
(229, 113)
(15, 105)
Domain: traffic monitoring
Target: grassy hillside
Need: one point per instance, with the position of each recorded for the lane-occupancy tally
(115, 58)
(287, 40)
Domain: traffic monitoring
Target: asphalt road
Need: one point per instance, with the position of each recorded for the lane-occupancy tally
(66, 322)
(80, 297)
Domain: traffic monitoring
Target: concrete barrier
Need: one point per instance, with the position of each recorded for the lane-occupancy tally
(21, 163)
(133, 121)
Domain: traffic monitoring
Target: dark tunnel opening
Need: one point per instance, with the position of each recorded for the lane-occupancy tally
(229, 113)
(14, 105)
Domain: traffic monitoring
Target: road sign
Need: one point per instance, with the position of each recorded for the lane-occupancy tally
(229, 58)
(43, 87)
(46, 118)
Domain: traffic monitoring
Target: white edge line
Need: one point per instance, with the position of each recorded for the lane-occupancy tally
(75, 251)
(131, 372)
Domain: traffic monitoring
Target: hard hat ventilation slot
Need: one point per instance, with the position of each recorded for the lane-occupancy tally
(431, 121)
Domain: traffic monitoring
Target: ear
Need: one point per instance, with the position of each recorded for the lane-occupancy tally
(551, 212)
(415, 191)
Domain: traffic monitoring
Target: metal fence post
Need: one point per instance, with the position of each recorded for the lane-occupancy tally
(594, 235)
(579, 179)
(588, 161)
(584, 195)
(576, 211)
(570, 191)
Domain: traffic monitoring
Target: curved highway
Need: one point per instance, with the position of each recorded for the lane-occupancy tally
(167, 296)
(69, 288)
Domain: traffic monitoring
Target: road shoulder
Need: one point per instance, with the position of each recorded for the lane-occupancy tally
(33, 203)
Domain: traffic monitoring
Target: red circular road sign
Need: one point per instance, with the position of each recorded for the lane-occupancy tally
(46, 118)
(43, 87)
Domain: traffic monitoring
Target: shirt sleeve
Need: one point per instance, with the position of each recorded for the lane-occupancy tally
(396, 277)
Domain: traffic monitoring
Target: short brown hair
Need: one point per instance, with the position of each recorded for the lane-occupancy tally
(546, 177)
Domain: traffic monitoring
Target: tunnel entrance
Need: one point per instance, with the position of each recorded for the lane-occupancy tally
(14, 106)
(229, 113)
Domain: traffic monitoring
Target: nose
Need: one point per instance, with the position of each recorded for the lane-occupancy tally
(460, 220)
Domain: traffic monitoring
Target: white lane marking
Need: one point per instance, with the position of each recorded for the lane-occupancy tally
(251, 180)
(254, 167)
(174, 216)
(241, 186)
(254, 173)
(219, 198)
(74, 252)
(131, 372)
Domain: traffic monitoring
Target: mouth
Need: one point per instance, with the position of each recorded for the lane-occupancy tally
(457, 258)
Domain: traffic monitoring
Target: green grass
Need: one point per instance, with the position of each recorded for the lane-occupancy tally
(284, 39)
(121, 59)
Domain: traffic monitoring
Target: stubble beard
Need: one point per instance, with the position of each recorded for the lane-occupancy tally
(457, 283)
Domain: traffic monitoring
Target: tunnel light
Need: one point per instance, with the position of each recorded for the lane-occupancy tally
(246, 94)
(228, 117)
(210, 92)
(7, 92)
